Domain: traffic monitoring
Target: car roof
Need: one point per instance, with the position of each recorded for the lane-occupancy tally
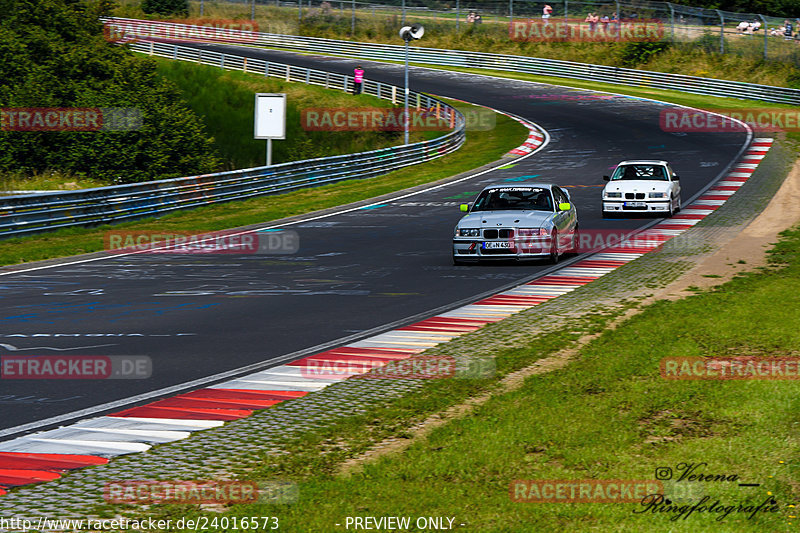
(520, 184)
(643, 162)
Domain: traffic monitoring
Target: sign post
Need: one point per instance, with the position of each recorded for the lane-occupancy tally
(270, 119)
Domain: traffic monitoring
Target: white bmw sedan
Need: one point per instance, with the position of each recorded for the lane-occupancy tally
(642, 187)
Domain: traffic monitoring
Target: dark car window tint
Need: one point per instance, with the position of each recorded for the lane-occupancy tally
(640, 172)
(514, 199)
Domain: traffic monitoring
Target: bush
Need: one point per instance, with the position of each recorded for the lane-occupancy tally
(634, 54)
(55, 56)
(166, 7)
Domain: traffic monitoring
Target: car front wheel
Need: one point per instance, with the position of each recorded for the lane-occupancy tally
(553, 258)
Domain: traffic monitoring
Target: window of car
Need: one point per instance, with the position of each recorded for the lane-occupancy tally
(514, 199)
(561, 196)
(640, 172)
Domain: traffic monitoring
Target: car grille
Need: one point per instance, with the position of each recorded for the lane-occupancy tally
(498, 233)
(636, 196)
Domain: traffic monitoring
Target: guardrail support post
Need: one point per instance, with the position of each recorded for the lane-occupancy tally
(244, 65)
(266, 69)
(222, 61)
(288, 72)
(327, 79)
(151, 47)
(722, 31)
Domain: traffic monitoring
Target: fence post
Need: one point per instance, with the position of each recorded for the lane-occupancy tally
(722, 31)
(765, 35)
(458, 13)
(511, 11)
(619, 22)
(253, 11)
(353, 18)
(671, 22)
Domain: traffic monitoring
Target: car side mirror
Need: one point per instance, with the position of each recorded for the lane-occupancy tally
(564, 206)
(676, 178)
(606, 178)
(465, 207)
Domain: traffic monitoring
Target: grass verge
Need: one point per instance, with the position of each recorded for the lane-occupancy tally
(608, 416)
(224, 101)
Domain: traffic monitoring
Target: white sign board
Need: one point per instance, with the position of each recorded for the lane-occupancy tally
(270, 116)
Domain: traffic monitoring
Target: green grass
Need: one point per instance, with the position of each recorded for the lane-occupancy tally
(607, 415)
(697, 56)
(480, 148)
(225, 101)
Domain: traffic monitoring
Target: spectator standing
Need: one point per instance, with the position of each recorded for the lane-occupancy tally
(592, 19)
(547, 10)
(358, 79)
(604, 22)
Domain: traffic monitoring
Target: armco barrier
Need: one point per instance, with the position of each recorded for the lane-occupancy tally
(477, 60)
(25, 215)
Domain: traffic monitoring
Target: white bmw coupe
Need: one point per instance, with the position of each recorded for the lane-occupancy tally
(642, 187)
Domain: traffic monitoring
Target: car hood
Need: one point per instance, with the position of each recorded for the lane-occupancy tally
(506, 219)
(637, 186)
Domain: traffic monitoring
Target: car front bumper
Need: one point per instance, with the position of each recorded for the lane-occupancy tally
(636, 206)
(479, 249)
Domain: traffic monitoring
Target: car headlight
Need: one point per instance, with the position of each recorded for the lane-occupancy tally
(532, 232)
(613, 195)
(469, 232)
(656, 195)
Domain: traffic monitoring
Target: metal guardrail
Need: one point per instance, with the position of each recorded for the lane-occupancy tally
(476, 60)
(24, 215)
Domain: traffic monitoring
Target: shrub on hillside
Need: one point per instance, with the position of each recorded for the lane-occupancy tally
(61, 60)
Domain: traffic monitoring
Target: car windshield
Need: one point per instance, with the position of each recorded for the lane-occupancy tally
(514, 199)
(640, 172)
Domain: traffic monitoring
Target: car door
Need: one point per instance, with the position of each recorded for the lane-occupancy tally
(565, 221)
(676, 184)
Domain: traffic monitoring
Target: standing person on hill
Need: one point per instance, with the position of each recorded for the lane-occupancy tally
(358, 79)
(547, 10)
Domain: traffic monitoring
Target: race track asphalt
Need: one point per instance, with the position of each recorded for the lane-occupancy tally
(199, 315)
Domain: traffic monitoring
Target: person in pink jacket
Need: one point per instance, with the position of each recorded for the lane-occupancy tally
(358, 79)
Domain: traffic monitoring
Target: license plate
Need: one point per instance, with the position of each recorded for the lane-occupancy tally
(636, 204)
(497, 244)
